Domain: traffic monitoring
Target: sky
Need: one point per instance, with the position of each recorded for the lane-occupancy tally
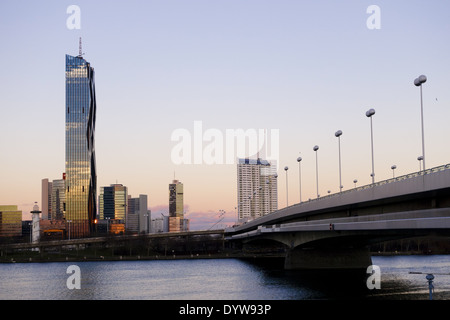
(302, 68)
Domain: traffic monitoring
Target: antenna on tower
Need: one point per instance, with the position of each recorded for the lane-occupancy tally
(80, 50)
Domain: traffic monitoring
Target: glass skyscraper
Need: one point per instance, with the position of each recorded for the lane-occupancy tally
(176, 199)
(176, 208)
(80, 175)
(113, 202)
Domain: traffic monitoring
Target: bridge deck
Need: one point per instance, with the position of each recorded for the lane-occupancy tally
(423, 219)
(403, 188)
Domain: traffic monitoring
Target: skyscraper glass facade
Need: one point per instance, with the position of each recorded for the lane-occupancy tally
(176, 207)
(113, 202)
(10, 221)
(176, 199)
(58, 199)
(81, 179)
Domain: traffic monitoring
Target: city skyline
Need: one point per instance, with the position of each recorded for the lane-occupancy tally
(306, 69)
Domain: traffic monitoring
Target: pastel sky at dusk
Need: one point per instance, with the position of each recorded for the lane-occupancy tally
(305, 68)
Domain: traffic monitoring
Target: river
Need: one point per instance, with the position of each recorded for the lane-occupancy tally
(220, 279)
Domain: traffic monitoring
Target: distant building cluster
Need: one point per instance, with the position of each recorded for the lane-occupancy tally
(118, 212)
(71, 207)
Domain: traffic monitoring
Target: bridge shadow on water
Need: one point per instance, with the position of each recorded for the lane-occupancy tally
(314, 284)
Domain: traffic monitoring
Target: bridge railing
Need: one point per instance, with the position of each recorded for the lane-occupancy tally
(380, 183)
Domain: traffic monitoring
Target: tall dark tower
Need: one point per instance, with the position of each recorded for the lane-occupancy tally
(81, 178)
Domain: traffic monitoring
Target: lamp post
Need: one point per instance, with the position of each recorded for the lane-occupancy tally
(299, 160)
(418, 83)
(315, 148)
(369, 114)
(287, 192)
(355, 182)
(338, 134)
(107, 224)
(393, 170)
(420, 158)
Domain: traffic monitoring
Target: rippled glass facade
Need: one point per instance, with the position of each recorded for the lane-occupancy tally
(81, 178)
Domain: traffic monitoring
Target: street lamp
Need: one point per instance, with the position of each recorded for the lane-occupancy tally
(315, 148)
(338, 135)
(299, 160)
(355, 182)
(107, 224)
(369, 114)
(287, 193)
(418, 83)
(420, 158)
(393, 170)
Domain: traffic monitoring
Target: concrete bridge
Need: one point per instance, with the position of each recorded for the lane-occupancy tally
(334, 232)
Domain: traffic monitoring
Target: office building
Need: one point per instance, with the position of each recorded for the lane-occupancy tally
(138, 216)
(176, 221)
(257, 193)
(10, 221)
(159, 225)
(46, 199)
(113, 202)
(81, 179)
(53, 196)
(58, 200)
(176, 201)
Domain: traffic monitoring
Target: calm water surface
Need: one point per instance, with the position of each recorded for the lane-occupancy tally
(219, 279)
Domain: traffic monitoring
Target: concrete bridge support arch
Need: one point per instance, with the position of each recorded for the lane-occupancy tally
(321, 250)
(332, 258)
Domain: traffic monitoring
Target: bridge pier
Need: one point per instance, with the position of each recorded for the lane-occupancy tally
(333, 258)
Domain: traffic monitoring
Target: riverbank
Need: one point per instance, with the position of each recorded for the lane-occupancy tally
(36, 257)
(49, 258)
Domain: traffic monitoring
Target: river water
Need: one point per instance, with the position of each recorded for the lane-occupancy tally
(220, 279)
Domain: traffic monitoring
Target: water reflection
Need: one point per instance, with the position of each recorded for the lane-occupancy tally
(309, 284)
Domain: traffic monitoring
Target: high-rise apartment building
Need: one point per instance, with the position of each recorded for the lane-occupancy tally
(257, 188)
(81, 178)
